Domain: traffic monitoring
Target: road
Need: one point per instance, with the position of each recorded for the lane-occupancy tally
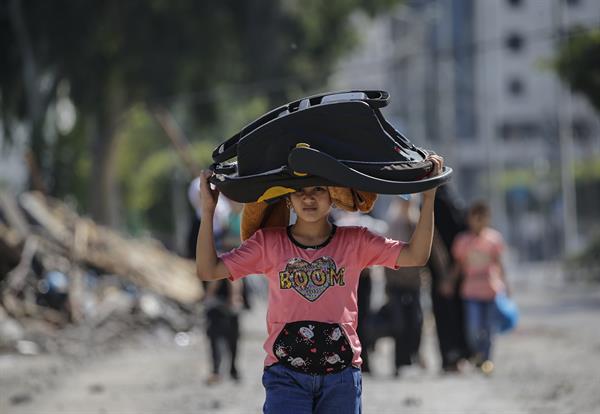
(550, 364)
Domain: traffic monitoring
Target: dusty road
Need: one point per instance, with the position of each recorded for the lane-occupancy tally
(551, 364)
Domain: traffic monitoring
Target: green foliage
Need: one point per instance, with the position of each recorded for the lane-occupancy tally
(148, 167)
(591, 253)
(233, 114)
(588, 170)
(71, 166)
(585, 171)
(216, 64)
(578, 64)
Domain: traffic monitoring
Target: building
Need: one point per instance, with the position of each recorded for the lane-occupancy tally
(472, 80)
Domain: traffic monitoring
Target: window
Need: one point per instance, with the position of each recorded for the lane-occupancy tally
(582, 128)
(518, 130)
(515, 3)
(515, 87)
(399, 28)
(514, 42)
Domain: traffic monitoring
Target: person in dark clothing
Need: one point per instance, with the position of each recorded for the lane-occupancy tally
(222, 303)
(403, 289)
(406, 319)
(192, 237)
(450, 220)
(223, 300)
(364, 306)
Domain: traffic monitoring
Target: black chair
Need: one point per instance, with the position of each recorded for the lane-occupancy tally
(335, 139)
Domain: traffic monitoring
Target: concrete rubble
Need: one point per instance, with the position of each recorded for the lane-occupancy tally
(67, 283)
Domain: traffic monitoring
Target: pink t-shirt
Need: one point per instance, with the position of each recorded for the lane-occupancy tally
(312, 284)
(479, 257)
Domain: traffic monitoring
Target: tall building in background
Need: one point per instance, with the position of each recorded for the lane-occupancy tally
(472, 79)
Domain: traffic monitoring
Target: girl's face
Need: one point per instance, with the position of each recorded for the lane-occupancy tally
(311, 203)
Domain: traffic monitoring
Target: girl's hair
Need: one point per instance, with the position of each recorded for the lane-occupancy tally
(479, 208)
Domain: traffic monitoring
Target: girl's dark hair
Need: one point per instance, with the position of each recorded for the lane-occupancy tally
(479, 208)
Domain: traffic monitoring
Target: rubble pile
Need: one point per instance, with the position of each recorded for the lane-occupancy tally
(65, 279)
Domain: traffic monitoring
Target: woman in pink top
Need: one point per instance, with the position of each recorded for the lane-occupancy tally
(313, 352)
(478, 256)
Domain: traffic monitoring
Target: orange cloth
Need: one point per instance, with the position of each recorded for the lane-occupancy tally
(261, 215)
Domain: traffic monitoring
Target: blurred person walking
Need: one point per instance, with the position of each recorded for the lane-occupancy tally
(223, 300)
(478, 254)
(450, 220)
(403, 289)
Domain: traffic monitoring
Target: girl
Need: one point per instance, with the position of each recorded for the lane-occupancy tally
(313, 351)
(477, 253)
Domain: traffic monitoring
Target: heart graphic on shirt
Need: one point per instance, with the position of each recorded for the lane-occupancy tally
(311, 279)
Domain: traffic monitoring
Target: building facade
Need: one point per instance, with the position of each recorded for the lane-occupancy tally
(472, 79)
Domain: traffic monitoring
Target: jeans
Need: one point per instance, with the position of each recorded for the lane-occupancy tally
(292, 392)
(480, 324)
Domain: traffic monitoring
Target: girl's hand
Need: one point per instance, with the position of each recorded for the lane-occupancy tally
(438, 166)
(208, 196)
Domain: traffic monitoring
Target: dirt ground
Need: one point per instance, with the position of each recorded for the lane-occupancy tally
(550, 364)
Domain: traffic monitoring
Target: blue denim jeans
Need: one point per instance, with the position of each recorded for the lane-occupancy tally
(292, 392)
(480, 326)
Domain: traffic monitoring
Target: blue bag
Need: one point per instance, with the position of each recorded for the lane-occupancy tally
(507, 313)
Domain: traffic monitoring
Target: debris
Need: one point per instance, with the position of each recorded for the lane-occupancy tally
(20, 399)
(11, 331)
(182, 339)
(96, 389)
(59, 270)
(27, 347)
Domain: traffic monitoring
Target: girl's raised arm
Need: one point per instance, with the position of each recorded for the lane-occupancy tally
(208, 265)
(418, 249)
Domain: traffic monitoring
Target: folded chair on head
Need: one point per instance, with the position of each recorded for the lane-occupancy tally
(339, 139)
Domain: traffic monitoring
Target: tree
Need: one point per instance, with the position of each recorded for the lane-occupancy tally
(114, 55)
(578, 64)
